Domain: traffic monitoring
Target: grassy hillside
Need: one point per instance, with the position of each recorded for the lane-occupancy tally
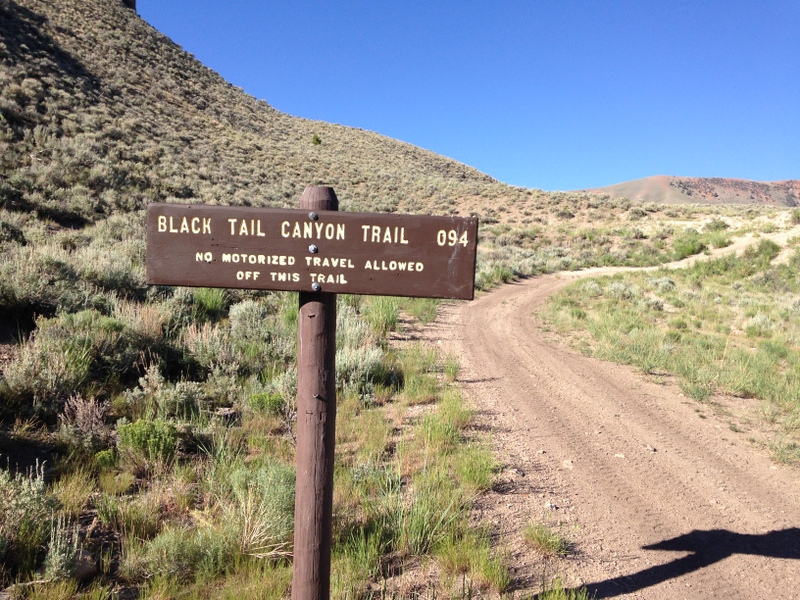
(102, 114)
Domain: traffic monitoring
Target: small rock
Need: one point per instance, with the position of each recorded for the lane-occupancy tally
(568, 464)
(550, 506)
(619, 456)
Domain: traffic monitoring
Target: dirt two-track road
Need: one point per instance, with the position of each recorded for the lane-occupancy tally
(661, 497)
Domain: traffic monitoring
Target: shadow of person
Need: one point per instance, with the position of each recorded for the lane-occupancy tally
(705, 548)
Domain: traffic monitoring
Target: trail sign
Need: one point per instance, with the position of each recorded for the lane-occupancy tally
(297, 250)
(318, 252)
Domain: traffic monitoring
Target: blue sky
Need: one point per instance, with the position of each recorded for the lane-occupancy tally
(556, 95)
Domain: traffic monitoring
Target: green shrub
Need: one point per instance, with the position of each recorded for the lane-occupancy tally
(422, 309)
(258, 508)
(210, 303)
(146, 444)
(435, 511)
(716, 224)
(10, 233)
(557, 591)
(62, 550)
(688, 244)
(183, 553)
(383, 314)
(259, 338)
(106, 459)
(546, 541)
(157, 399)
(34, 281)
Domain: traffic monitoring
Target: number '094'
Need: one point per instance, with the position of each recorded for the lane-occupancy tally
(451, 238)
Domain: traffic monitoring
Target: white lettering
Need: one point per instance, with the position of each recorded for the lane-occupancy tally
(258, 259)
(247, 275)
(393, 265)
(313, 230)
(337, 278)
(384, 235)
(250, 228)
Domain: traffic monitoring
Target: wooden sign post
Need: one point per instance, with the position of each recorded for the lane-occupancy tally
(318, 252)
(316, 429)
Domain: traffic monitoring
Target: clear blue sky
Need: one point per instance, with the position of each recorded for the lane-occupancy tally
(552, 94)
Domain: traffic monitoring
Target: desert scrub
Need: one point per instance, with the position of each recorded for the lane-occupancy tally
(26, 513)
(157, 398)
(251, 514)
(83, 429)
(383, 314)
(472, 553)
(70, 354)
(359, 358)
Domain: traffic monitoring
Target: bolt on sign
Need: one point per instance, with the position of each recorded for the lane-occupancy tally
(325, 251)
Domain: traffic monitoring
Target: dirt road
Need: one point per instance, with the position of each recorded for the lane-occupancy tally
(660, 496)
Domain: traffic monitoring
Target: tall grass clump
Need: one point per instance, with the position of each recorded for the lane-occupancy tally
(383, 314)
(557, 591)
(546, 541)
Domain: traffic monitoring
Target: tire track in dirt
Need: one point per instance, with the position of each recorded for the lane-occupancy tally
(626, 462)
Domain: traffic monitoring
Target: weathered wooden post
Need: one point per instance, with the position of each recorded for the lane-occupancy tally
(316, 425)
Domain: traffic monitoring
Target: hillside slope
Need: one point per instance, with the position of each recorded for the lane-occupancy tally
(704, 190)
(101, 113)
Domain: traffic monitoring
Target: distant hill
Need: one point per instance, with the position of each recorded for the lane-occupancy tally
(702, 190)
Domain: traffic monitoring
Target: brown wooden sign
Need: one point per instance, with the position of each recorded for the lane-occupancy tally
(325, 251)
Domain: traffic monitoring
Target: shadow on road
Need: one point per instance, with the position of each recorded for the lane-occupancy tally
(705, 548)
